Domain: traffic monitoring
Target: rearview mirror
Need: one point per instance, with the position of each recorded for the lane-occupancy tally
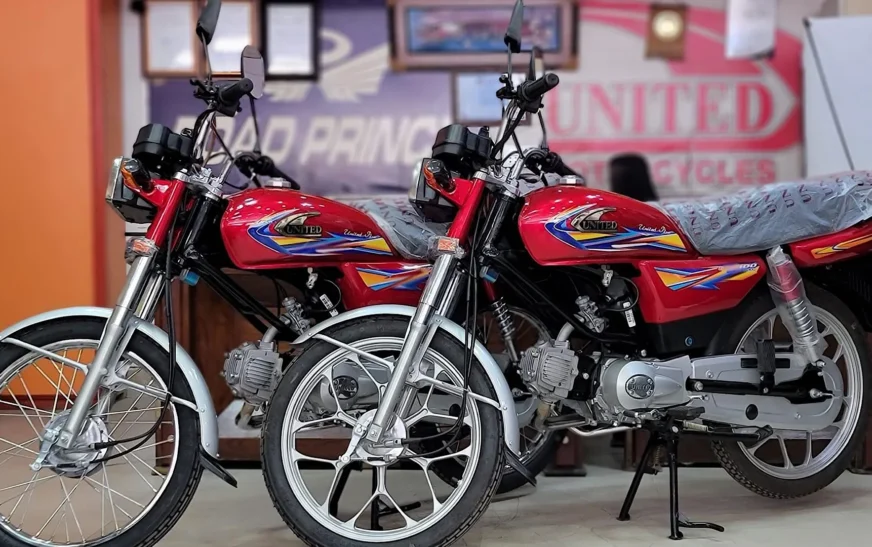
(253, 69)
(208, 21)
(516, 23)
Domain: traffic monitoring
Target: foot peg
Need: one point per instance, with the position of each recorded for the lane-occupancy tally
(664, 436)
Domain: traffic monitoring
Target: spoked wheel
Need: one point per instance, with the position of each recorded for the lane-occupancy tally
(125, 495)
(537, 448)
(396, 500)
(795, 463)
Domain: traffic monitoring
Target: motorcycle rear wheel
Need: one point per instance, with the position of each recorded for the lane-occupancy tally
(845, 343)
(181, 474)
(310, 517)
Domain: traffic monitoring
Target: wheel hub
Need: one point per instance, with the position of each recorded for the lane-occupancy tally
(78, 460)
(381, 455)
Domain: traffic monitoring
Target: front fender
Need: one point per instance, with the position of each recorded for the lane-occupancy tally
(202, 397)
(490, 366)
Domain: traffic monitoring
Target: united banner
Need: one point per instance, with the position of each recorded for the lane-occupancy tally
(706, 124)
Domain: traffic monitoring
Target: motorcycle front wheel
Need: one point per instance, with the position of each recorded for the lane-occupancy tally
(129, 495)
(307, 481)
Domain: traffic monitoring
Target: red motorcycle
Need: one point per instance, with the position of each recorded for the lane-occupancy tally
(740, 319)
(124, 395)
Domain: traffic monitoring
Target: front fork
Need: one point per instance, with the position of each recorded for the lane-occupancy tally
(110, 347)
(440, 276)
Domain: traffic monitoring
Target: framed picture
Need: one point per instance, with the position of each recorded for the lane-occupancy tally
(237, 28)
(290, 39)
(468, 34)
(169, 45)
(474, 98)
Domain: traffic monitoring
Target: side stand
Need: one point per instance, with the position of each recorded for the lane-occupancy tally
(378, 508)
(665, 435)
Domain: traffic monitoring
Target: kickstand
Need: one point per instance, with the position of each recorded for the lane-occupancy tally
(665, 435)
(379, 509)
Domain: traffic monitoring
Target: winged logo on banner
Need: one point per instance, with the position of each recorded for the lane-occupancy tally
(344, 80)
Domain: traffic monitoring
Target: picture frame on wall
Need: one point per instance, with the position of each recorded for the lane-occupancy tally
(291, 42)
(474, 100)
(169, 47)
(468, 34)
(237, 28)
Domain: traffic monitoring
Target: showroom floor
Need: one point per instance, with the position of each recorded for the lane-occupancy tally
(575, 512)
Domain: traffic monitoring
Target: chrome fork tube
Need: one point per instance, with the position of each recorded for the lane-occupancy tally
(154, 288)
(116, 327)
(442, 269)
(448, 299)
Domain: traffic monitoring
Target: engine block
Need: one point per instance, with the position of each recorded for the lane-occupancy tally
(253, 372)
(550, 369)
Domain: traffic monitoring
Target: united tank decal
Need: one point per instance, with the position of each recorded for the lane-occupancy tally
(286, 232)
(822, 252)
(584, 228)
(708, 278)
(410, 278)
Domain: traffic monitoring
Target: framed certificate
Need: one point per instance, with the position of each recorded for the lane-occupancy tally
(169, 44)
(474, 98)
(290, 39)
(237, 28)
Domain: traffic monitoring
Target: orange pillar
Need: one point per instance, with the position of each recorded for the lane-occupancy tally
(54, 149)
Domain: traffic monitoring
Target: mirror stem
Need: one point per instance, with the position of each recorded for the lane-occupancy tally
(256, 127)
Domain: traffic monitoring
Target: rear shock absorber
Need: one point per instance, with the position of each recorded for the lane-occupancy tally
(788, 294)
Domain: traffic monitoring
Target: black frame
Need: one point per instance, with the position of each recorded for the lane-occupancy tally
(315, 6)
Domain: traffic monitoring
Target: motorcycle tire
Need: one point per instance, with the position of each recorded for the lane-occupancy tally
(736, 461)
(164, 514)
(481, 486)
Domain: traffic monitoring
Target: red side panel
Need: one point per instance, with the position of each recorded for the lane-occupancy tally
(678, 289)
(368, 284)
(850, 243)
(279, 228)
(565, 225)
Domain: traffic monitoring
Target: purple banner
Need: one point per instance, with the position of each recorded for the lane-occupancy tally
(359, 130)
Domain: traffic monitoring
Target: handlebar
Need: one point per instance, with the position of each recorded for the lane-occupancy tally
(231, 94)
(251, 164)
(531, 92)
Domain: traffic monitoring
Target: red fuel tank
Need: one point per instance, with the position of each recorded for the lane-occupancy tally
(266, 228)
(565, 225)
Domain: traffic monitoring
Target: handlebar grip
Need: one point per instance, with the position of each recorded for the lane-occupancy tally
(532, 91)
(231, 94)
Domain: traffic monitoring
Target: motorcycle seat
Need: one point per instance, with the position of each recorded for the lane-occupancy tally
(760, 218)
(402, 224)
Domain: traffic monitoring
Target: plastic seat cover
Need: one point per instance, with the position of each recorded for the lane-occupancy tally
(403, 225)
(775, 214)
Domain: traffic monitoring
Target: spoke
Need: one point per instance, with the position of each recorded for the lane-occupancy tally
(296, 455)
(72, 510)
(32, 481)
(787, 463)
(109, 491)
(71, 384)
(339, 416)
(465, 452)
(381, 472)
(133, 406)
(19, 447)
(58, 390)
(326, 505)
(425, 466)
(26, 416)
(116, 492)
(808, 449)
(29, 397)
(140, 460)
(56, 511)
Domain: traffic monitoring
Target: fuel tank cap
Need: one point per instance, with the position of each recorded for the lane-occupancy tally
(571, 180)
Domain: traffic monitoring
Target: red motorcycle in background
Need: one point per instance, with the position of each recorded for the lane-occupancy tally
(741, 319)
(116, 380)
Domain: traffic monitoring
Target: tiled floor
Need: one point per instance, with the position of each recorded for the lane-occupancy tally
(581, 511)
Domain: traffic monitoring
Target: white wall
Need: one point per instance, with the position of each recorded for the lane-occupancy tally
(134, 88)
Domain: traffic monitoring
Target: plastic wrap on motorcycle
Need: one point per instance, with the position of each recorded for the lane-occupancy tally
(774, 214)
(202, 397)
(406, 229)
(490, 366)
